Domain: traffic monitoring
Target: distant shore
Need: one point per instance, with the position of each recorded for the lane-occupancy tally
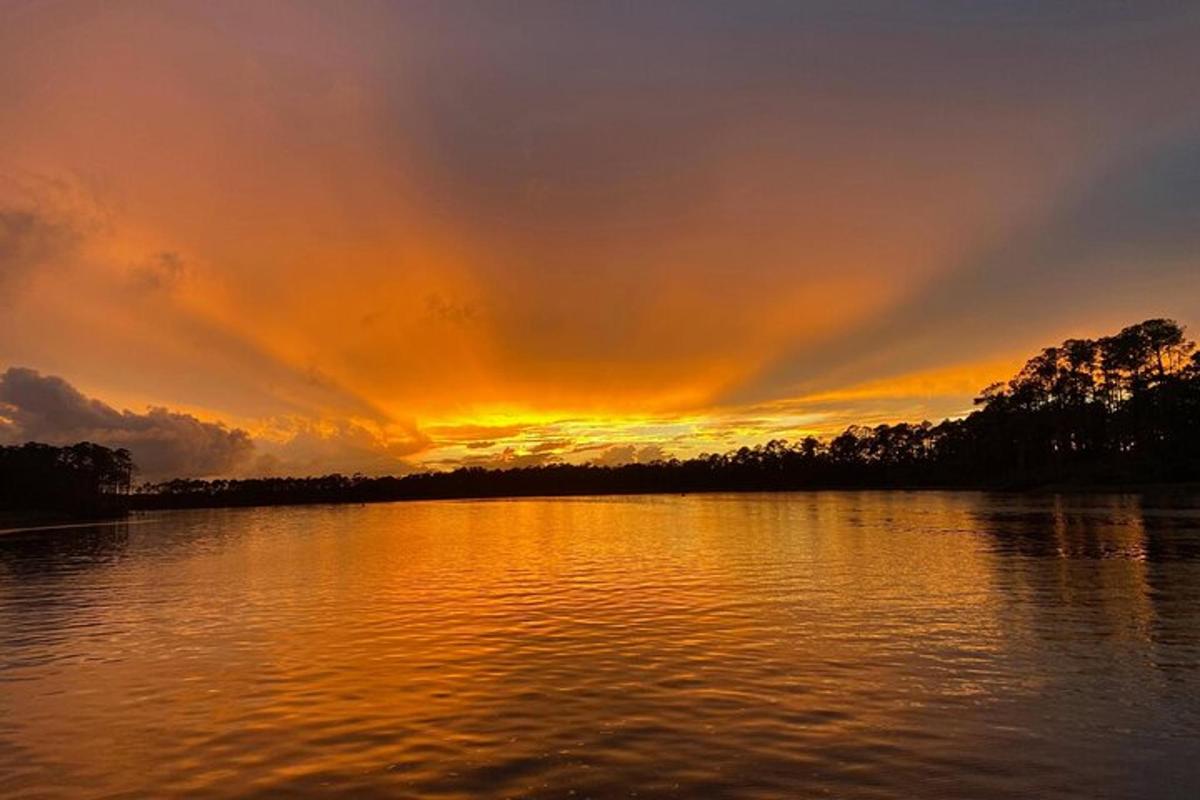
(33, 522)
(22, 521)
(154, 503)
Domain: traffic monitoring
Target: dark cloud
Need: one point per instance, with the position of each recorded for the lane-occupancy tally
(164, 443)
(508, 458)
(617, 455)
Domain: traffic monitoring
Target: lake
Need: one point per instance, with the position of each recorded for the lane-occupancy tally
(849, 645)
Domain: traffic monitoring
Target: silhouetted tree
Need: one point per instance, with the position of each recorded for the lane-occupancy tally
(83, 479)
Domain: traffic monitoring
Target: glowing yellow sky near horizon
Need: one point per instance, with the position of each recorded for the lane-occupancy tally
(383, 236)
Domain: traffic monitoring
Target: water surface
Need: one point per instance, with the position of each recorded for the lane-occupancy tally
(761, 646)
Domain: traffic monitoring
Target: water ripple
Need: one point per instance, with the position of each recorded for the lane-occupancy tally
(858, 645)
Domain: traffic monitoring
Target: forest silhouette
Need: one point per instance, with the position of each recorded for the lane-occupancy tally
(1119, 410)
(82, 480)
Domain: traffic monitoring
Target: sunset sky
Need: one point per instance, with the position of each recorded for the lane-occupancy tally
(269, 238)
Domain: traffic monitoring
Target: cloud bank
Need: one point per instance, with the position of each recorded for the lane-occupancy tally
(164, 443)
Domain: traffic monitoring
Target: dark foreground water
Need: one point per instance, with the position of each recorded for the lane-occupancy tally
(842, 645)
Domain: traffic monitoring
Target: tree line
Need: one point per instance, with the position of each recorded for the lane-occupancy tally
(79, 480)
(1121, 409)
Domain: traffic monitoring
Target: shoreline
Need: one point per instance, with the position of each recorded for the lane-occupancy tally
(1158, 488)
(16, 523)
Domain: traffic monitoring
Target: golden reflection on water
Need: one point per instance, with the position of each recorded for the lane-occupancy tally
(855, 644)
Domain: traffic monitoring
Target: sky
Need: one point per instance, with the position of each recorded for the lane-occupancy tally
(254, 238)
